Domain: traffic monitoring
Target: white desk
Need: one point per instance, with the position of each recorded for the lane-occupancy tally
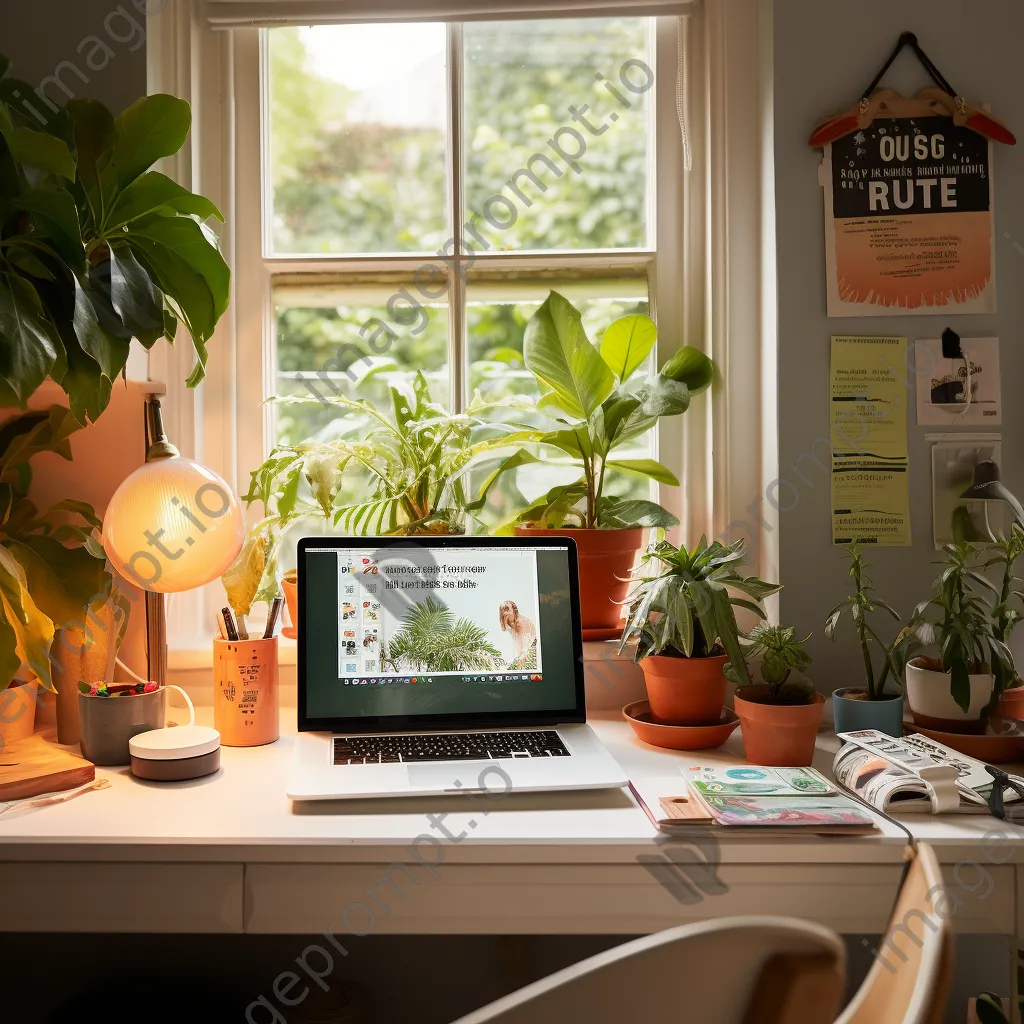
(229, 854)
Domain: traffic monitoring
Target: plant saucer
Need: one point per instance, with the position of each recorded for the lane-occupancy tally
(1005, 746)
(678, 737)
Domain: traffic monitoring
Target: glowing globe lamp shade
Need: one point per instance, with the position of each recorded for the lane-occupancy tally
(172, 525)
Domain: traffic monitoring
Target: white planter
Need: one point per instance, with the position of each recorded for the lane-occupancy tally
(932, 704)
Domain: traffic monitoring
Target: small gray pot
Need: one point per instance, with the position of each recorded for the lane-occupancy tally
(108, 723)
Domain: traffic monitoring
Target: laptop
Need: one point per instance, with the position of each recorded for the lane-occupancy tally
(441, 665)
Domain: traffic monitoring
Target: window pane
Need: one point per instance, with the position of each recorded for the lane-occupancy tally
(557, 134)
(344, 340)
(496, 317)
(357, 138)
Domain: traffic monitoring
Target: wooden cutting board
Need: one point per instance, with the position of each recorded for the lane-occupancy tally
(31, 767)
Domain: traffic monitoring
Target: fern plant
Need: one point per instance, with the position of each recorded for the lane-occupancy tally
(412, 468)
(433, 639)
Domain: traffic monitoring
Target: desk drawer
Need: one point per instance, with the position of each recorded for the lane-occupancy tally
(103, 897)
(584, 899)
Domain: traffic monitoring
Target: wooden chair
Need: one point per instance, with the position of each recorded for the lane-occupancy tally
(754, 970)
(908, 982)
(739, 970)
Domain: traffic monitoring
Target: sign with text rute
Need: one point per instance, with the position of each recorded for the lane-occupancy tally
(908, 219)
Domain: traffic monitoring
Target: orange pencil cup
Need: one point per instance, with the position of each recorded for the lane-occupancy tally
(246, 700)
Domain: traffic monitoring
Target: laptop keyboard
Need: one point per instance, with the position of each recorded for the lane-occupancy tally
(462, 746)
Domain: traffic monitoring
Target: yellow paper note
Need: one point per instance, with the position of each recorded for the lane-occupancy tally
(868, 424)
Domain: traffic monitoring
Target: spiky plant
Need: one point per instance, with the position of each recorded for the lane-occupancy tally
(685, 606)
(432, 638)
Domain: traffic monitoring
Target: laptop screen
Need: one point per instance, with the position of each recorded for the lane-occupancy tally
(411, 632)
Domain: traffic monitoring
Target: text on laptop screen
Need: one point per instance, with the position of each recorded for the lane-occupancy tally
(414, 630)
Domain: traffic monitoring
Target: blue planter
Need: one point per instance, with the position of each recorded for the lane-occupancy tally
(853, 715)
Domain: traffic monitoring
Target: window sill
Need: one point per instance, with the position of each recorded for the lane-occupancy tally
(612, 680)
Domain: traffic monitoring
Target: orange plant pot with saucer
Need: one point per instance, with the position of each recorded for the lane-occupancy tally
(779, 735)
(1011, 703)
(685, 691)
(605, 559)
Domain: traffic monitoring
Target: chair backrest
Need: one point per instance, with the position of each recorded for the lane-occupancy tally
(908, 982)
(740, 970)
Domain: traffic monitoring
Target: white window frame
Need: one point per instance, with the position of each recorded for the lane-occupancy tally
(711, 282)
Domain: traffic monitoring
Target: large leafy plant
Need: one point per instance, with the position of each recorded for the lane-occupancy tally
(52, 571)
(681, 602)
(1009, 604)
(96, 248)
(600, 402)
(959, 620)
(432, 638)
(410, 468)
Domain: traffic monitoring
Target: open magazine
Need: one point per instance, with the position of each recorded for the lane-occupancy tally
(913, 773)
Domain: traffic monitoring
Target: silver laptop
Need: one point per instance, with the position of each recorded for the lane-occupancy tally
(441, 665)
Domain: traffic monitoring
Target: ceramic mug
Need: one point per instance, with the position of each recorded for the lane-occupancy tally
(108, 723)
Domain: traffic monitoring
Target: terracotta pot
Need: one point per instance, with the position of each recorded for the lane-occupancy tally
(932, 705)
(685, 691)
(779, 734)
(18, 712)
(1011, 703)
(605, 559)
(290, 589)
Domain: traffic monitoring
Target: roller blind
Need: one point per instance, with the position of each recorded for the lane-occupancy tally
(241, 13)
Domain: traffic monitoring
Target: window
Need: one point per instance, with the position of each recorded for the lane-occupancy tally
(531, 141)
(350, 157)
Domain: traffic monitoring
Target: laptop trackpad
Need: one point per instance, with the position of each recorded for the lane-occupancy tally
(452, 776)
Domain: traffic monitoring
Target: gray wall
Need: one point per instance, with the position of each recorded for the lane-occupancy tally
(103, 39)
(825, 53)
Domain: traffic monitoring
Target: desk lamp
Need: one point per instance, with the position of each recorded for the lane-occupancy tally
(170, 526)
(988, 487)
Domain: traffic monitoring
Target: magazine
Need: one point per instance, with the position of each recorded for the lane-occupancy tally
(754, 780)
(680, 810)
(837, 812)
(914, 774)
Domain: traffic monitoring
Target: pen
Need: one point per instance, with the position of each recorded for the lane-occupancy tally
(221, 631)
(229, 623)
(243, 629)
(272, 616)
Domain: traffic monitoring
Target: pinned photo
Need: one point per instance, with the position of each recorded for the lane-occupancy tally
(348, 611)
(371, 611)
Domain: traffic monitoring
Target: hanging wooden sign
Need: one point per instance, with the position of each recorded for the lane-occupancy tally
(908, 202)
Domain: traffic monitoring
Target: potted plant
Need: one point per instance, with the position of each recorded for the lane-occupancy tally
(52, 570)
(1008, 610)
(955, 691)
(403, 474)
(680, 611)
(780, 715)
(869, 707)
(95, 248)
(600, 401)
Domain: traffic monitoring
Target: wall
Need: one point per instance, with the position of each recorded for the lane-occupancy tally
(825, 53)
(101, 45)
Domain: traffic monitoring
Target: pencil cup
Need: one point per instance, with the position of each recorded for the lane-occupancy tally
(246, 700)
